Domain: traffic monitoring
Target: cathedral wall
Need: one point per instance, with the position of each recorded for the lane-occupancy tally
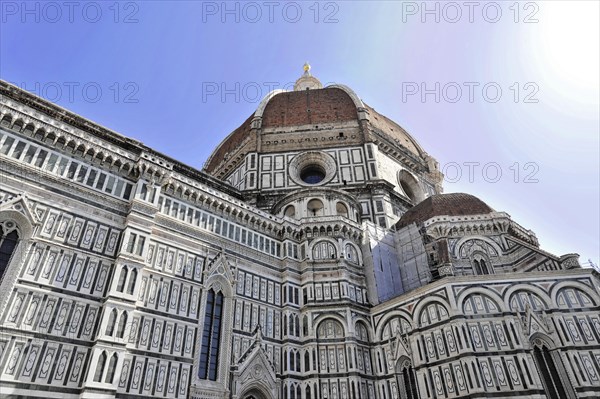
(463, 338)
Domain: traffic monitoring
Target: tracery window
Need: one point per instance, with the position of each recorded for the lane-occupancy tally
(8, 242)
(209, 354)
(550, 368)
(480, 267)
(330, 329)
(324, 250)
(407, 382)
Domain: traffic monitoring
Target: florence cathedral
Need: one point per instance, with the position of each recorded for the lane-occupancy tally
(313, 257)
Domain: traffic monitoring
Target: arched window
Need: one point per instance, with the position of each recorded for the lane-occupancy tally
(297, 327)
(298, 392)
(132, 280)
(112, 319)
(112, 366)
(351, 253)
(209, 354)
(409, 384)
(122, 325)
(122, 278)
(324, 250)
(341, 209)
(305, 326)
(292, 360)
(100, 367)
(307, 395)
(572, 298)
(290, 211)
(361, 331)
(8, 243)
(298, 366)
(520, 299)
(550, 368)
(315, 207)
(433, 313)
(481, 266)
(306, 361)
(330, 329)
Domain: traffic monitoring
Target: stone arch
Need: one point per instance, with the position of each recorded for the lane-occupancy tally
(24, 224)
(442, 309)
(331, 247)
(463, 241)
(351, 249)
(465, 294)
(508, 295)
(258, 390)
(576, 285)
(331, 318)
(360, 328)
(401, 314)
(539, 338)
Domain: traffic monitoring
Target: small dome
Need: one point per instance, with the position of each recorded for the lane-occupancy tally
(454, 204)
(307, 81)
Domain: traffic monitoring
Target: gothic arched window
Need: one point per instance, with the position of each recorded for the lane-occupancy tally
(122, 278)
(112, 366)
(351, 253)
(112, 319)
(209, 354)
(341, 209)
(122, 325)
(550, 369)
(132, 279)
(290, 211)
(407, 382)
(100, 367)
(324, 250)
(8, 243)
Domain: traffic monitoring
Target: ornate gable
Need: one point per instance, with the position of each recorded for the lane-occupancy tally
(20, 204)
(19, 209)
(219, 268)
(254, 371)
(533, 323)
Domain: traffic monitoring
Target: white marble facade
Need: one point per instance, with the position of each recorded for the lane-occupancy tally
(127, 274)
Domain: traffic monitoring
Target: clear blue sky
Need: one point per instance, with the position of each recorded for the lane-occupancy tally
(157, 70)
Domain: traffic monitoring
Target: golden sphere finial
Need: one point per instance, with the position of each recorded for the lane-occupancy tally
(306, 67)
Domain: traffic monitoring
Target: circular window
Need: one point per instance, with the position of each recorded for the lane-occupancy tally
(312, 174)
(312, 168)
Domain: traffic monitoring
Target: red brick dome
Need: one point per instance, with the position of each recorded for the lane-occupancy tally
(453, 204)
(314, 109)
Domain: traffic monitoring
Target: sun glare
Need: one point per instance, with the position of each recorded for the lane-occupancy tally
(567, 45)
